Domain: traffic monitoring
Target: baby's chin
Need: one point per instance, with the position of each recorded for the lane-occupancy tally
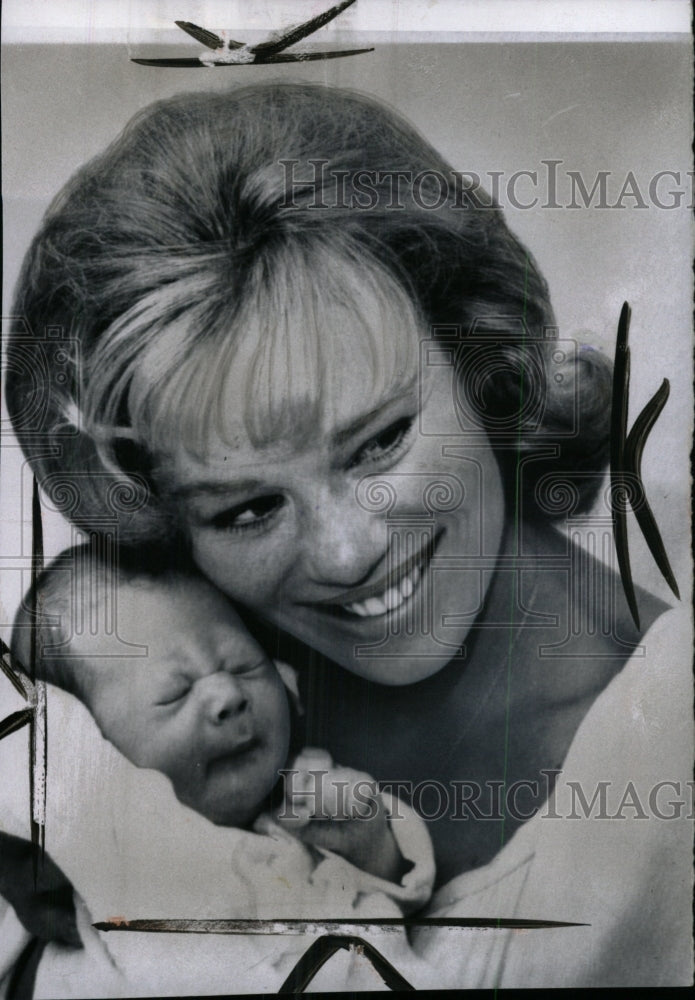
(224, 811)
(231, 803)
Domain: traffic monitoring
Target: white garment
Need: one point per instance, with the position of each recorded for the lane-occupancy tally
(629, 879)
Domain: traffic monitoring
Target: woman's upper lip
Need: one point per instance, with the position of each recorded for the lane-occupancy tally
(390, 579)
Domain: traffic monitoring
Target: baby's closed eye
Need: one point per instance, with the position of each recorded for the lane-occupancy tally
(172, 692)
(249, 666)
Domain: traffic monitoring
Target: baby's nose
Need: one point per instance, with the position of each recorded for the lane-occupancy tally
(222, 697)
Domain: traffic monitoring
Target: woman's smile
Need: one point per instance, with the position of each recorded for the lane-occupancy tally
(387, 594)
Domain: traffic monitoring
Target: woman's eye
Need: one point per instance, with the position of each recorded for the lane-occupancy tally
(388, 442)
(247, 515)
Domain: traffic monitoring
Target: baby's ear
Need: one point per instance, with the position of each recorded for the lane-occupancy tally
(288, 676)
(20, 643)
(22, 649)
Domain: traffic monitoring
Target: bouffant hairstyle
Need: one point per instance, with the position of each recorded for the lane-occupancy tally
(260, 224)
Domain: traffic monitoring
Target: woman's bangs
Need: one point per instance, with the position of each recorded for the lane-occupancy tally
(172, 381)
(318, 318)
(272, 366)
(178, 407)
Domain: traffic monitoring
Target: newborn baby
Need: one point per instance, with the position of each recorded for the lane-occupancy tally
(208, 708)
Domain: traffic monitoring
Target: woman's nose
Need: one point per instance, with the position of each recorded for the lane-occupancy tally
(343, 543)
(222, 697)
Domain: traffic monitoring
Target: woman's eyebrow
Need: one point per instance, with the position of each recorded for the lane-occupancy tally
(214, 487)
(338, 437)
(342, 434)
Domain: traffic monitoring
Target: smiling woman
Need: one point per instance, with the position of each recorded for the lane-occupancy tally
(246, 324)
(352, 415)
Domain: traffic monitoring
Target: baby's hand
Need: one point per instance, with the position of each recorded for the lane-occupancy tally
(340, 809)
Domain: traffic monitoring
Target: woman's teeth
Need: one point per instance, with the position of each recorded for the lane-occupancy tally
(390, 600)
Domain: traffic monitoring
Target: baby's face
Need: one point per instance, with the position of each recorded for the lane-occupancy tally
(206, 706)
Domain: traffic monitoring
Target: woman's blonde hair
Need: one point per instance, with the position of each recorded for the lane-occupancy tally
(267, 217)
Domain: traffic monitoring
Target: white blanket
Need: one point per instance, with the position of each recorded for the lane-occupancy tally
(133, 851)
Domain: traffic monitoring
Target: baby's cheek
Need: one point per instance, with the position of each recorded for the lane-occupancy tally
(173, 755)
(277, 720)
(121, 726)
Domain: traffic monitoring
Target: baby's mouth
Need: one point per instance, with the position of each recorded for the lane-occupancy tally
(232, 756)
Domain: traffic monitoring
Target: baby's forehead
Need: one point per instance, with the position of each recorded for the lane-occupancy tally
(156, 610)
(184, 617)
(169, 594)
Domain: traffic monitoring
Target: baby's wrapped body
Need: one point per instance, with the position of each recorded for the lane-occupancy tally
(175, 794)
(133, 851)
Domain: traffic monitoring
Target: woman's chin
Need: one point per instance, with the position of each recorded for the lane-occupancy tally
(398, 661)
(395, 673)
(403, 646)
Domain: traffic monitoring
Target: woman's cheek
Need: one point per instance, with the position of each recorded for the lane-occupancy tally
(211, 555)
(244, 572)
